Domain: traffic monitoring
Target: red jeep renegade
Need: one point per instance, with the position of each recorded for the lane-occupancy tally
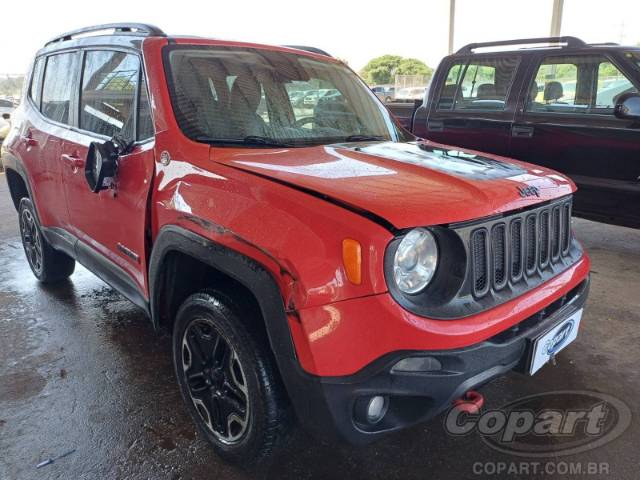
(311, 259)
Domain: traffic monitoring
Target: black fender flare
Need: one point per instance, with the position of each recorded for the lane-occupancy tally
(241, 268)
(11, 162)
(304, 389)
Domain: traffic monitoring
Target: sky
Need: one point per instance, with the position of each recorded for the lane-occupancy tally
(351, 30)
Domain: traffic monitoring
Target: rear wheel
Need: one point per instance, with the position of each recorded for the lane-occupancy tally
(47, 264)
(228, 379)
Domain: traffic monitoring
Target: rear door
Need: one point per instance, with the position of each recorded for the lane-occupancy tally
(111, 224)
(474, 105)
(50, 113)
(567, 123)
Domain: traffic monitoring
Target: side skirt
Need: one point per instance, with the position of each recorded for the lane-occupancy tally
(98, 264)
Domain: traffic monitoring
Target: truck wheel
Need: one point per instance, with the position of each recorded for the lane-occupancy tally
(228, 379)
(47, 264)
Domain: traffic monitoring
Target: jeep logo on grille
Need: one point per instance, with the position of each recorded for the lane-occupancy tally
(528, 191)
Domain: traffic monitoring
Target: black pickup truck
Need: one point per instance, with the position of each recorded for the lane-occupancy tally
(563, 104)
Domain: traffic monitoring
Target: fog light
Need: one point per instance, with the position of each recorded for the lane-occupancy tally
(417, 365)
(377, 408)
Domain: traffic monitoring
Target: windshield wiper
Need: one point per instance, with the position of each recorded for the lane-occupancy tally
(364, 138)
(258, 140)
(248, 140)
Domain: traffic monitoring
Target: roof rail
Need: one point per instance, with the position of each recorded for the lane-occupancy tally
(309, 49)
(566, 41)
(140, 29)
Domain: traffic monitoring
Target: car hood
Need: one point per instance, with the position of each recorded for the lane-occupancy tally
(406, 184)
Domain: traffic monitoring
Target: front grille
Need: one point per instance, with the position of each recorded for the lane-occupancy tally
(519, 246)
(480, 267)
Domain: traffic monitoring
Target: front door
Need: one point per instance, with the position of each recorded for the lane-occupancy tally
(473, 108)
(112, 224)
(571, 128)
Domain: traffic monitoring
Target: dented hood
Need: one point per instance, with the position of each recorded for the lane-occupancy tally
(406, 184)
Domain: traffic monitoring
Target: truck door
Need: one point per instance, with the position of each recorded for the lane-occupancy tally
(566, 122)
(474, 106)
(111, 224)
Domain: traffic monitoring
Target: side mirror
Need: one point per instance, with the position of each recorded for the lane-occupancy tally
(102, 162)
(101, 165)
(628, 106)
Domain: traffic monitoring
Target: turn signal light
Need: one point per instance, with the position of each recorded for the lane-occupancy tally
(352, 259)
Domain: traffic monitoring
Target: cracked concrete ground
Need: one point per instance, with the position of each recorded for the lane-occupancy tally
(81, 369)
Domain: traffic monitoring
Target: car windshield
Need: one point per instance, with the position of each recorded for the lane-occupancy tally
(244, 96)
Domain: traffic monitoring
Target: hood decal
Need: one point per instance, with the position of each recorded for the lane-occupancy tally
(454, 162)
(341, 167)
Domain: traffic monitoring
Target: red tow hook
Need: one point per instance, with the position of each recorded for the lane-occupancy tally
(471, 402)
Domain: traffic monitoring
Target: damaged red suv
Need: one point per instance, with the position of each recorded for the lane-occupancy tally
(313, 260)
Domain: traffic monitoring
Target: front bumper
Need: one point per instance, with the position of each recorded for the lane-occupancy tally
(331, 405)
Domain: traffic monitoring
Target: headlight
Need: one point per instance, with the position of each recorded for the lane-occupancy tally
(415, 261)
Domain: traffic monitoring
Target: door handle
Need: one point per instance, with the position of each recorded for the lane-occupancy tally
(74, 161)
(28, 139)
(435, 125)
(521, 132)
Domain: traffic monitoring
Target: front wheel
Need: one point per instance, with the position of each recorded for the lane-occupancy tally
(228, 379)
(47, 264)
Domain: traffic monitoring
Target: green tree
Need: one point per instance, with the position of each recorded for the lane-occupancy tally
(383, 69)
(413, 66)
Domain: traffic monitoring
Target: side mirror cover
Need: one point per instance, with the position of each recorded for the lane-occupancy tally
(628, 106)
(101, 165)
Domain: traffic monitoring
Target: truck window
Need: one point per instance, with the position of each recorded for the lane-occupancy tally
(611, 84)
(447, 94)
(588, 84)
(482, 84)
(58, 86)
(109, 86)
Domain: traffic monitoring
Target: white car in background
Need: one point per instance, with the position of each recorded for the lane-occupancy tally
(6, 108)
(410, 94)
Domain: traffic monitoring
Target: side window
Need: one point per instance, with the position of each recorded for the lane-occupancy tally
(554, 87)
(587, 84)
(108, 98)
(145, 121)
(485, 84)
(450, 87)
(611, 84)
(36, 81)
(57, 90)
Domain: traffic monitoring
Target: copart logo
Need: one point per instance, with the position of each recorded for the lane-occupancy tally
(546, 425)
(528, 191)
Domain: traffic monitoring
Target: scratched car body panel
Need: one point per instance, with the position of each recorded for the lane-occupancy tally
(312, 225)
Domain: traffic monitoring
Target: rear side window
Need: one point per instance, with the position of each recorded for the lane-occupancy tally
(586, 84)
(36, 81)
(481, 84)
(57, 90)
(109, 88)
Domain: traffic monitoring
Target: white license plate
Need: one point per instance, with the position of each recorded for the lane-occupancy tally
(552, 341)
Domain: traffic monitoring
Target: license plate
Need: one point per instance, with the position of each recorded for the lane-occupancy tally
(552, 341)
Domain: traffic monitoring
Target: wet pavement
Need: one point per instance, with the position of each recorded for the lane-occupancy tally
(81, 369)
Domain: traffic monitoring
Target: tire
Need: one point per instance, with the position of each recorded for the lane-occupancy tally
(47, 264)
(238, 366)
